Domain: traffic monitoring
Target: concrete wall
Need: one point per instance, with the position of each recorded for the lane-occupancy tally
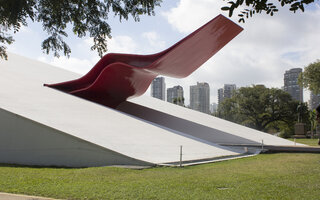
(26, 142)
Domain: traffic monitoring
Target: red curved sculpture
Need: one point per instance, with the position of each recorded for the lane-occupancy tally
(117, 77)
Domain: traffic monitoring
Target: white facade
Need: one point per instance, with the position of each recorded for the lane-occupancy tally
(127, 139)
(43, 126)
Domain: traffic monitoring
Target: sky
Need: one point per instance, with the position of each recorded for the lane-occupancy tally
(260, 54)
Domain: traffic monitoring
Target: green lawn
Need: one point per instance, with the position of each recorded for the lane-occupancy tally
(266, 176)
(310, 142)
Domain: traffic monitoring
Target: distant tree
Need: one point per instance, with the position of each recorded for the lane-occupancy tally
(86, 17)
(266, 6)
(228, 110)
(262, 108)
(313, 122)
(310, 77)
(175, 100)
(179, 101)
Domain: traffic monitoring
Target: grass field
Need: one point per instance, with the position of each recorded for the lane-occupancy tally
(266, 176)
(310, 142)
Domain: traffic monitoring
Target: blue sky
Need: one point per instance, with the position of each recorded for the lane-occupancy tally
(259, 55)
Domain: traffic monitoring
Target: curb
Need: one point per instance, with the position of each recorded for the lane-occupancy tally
(9, 196)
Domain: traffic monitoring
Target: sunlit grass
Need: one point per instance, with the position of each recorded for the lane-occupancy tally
(310, 142)
(266, 176)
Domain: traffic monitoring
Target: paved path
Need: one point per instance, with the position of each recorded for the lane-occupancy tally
(7, 196)
(276, 149)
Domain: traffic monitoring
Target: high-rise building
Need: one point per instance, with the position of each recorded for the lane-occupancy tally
(291, 84)
(200, 97)
(213, 107)
(226, 92)
(220, 96)
(158, 88)
(314, 101)
(175, 95)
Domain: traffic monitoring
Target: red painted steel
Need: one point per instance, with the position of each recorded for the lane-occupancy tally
(117, 77)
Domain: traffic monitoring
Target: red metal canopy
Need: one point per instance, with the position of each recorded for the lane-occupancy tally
(117, 77)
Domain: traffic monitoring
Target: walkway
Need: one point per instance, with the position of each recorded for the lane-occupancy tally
(7, 196)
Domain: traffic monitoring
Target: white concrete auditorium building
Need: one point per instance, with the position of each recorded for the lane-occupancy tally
(43, 126)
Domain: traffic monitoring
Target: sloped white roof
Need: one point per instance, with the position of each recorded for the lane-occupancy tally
(22, 92)
(218, 125)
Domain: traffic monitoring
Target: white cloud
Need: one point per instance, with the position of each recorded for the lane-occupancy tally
(118, 44)
(122, 44)
(81, 66)
(190, 15)
(25, 29)
(154, 40)
(260, 54)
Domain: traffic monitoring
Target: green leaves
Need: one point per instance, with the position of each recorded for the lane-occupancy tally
(86, 17)
(13, 15)
(259, 6)
(225, 8)
(310, 78)
(260, 108)
(55, 43)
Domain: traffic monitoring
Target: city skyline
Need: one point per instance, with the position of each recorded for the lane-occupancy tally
(290, 77)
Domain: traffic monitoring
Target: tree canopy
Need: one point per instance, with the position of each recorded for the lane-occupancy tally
(87, 17)
(310, 77)
(258, 6)
(262, 108)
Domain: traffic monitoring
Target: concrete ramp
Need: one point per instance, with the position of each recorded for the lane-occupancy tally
(197, 124)
(43, 126)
